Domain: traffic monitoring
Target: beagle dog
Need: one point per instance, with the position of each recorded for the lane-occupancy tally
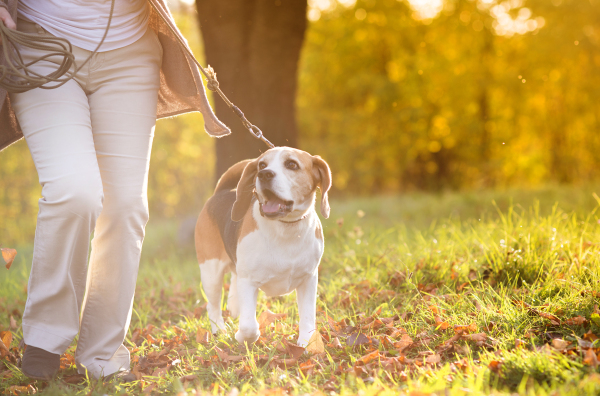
(261, 225)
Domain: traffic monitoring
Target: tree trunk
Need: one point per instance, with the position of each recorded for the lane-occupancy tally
(254, 46)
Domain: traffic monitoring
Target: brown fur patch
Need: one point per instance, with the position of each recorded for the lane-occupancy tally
(249, 224)
(319, 232)
(208, 239)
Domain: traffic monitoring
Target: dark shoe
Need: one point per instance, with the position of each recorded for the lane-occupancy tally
(121, 376)
(39, 364)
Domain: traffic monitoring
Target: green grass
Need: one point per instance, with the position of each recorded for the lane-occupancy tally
(476, 256)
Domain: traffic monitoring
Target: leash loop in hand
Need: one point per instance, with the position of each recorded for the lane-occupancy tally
(18, 77)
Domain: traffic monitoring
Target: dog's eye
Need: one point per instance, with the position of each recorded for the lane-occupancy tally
(292, 165)
(262, 165)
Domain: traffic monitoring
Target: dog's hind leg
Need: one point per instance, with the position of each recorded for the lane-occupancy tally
(232, 300)
(212, 273)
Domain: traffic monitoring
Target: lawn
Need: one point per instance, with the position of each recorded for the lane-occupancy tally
(450, 294)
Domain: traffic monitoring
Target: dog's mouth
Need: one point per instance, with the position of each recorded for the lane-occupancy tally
(275, 206)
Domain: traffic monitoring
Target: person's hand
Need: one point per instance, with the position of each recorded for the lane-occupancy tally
(7, 19)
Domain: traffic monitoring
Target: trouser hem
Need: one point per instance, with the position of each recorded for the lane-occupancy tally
(45, 340)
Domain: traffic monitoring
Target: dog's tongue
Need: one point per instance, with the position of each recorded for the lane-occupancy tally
(272, 206)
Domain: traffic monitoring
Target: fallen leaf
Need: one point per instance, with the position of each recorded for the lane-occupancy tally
(267, 317)
(440, 324)
(472, 275)
(189, 377)
(198, 311)
(560, 344)
(479, 337)
(519, 343)
(202, 336)
(9, 256)
(404, 343)
(295, 350)
(591, 359)
(315, 343)
(336, 343)
(74, 379)
(465, 328)
(18, 390)
(13, 323)
(368, 358)
(576, 321)
(6, 337)
(358, 339)
(3, 349)
(495, 365)
(433, 359)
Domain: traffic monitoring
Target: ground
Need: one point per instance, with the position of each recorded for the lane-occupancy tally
(449, 294)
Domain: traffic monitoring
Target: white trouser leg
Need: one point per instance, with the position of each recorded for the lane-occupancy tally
(89, 137)
(56, 125)
(123, 113)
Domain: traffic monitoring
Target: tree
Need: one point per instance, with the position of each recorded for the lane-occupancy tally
(254, 46)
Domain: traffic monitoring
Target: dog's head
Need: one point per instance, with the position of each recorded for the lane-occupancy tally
(285, 180)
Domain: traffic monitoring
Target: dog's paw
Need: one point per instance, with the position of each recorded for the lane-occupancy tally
(249, 335)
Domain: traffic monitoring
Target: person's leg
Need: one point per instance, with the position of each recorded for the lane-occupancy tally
(57, 128)
(123, 100)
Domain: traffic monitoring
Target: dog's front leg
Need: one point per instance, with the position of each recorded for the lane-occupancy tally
(307, 305)
(247, 293)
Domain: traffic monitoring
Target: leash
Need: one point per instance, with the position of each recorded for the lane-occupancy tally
(213, 84)
(18, 77)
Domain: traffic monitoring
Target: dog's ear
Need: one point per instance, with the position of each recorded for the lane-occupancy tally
(322, 175)
(245, 188)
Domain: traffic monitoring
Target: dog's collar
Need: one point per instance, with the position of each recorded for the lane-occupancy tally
(263, 214)
(295, 221)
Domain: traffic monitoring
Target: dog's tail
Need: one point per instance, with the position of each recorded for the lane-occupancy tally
(232, 176)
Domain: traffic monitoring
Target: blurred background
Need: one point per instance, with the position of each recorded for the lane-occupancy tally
(397, 95)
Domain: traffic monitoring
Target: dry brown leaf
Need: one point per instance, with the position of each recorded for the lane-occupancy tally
(3, 349)
(336, 343)
(404, 343)
(9, 256)
(559, 344)
(13, 323)
(472, 275)
(74, 379)
(19, 390)
(519, 343)
(315, 343)
(295, 350)
(433, 359)
(591, 359)
(440, 324)
(202, 336)
(222, 354)
(189, 377)
(463, 329)
(198, 311)
(358, 339)
(6, 337)
(495, 366)
(479, 337)
(368, 358)
(576, 321)
(267, 317)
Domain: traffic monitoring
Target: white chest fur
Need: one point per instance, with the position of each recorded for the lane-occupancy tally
(278, 257)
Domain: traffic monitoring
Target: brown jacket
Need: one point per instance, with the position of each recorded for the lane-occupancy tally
(181, 89)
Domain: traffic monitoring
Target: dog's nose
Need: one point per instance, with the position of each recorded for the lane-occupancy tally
(266, 175)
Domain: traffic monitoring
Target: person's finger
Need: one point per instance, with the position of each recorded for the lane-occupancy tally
(6, 18)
